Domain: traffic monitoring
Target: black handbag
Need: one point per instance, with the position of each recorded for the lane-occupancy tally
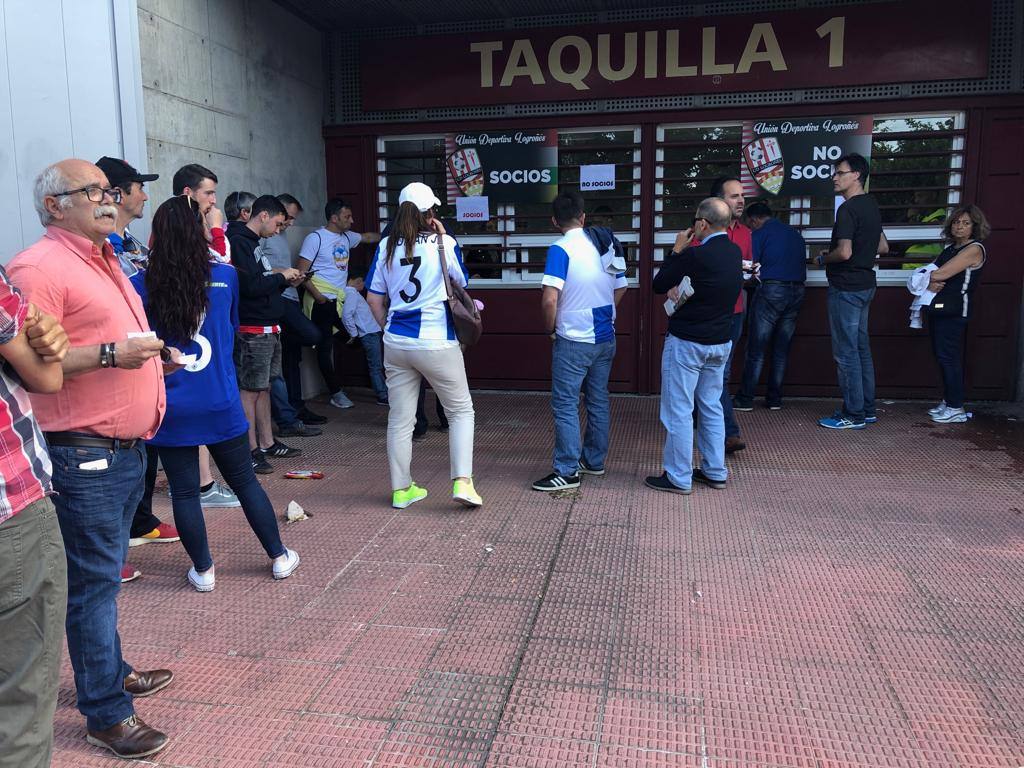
(466, 317)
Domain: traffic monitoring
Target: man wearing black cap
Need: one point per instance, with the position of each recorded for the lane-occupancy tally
(146, 527)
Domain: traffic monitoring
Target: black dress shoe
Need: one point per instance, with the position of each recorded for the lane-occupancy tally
(140, 684)
(700, 477)
(662, 483)
(131, 738)
(308, 417)
(299, 429)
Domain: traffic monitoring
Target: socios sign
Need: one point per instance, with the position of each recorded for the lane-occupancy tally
(504, 166)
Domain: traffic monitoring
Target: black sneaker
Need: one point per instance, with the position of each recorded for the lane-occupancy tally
(585, 469)
(260, 465)
(281, 451)
(308, 417)
(557, 482)
(662, 483)
(741, 403)
(700, 477)
(773, 405)
(298, 429)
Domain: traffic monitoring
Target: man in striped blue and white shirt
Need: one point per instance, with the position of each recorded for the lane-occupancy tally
(580, 292)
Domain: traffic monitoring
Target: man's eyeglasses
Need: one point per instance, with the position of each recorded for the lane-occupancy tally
(94, 193)
(841, 173)
(699, 218)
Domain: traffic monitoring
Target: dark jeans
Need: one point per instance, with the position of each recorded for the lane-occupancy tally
(947, 334)
(235, 464)
(732, 428)
(421, 411)
(95, 509)
(144, 520)
(851, 348)
(33, 596)
(373, 345)
(773, 312)
(282, 411)
(297, 331)
(576, 367)
(325, 318)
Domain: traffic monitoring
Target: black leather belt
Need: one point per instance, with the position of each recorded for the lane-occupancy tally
(82, 440)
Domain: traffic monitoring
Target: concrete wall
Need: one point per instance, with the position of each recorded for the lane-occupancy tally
(68, 88)
(237, 86)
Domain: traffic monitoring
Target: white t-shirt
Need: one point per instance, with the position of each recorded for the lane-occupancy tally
(329, 253)
(418, 315)
(586, 292)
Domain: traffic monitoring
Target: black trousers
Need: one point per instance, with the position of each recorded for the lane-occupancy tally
(144, 520)
(947, 334)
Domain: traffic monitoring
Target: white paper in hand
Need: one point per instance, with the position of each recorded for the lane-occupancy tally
(685, 292)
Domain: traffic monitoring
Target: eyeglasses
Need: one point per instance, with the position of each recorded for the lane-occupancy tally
(94, 193)
(841, 173)
(699, 218)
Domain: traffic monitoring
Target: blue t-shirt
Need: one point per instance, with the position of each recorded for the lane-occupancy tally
(203, 403)
(781, 251)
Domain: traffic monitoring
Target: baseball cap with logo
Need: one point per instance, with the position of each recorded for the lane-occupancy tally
(420, 195)
(119, 173)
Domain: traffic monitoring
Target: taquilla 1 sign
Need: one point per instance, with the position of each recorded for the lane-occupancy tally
(796, 157)
(503, 166)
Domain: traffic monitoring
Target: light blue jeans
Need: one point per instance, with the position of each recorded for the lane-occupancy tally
(691, 376)
(578, 366)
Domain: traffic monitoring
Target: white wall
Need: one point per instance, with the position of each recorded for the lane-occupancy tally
(66, 85)
(237, 86)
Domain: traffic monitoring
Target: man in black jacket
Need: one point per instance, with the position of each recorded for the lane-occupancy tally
(260, 310)
(696, 349)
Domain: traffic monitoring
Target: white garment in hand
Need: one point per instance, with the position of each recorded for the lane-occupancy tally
(917, 284)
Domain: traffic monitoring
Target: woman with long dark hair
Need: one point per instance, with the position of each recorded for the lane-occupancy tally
(194, 301)
(408, 298)
(953, 282)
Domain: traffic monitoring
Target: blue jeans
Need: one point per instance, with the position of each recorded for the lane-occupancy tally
(773, 313)
(281, 408)
(373, 345)
(578, 366)
(235, 464)
(297, 331)
(95, 510)
(691, 376)
(732, 427)
(851, 348)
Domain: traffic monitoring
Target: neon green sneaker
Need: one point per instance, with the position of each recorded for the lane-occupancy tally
(464, 493)
(412, 494)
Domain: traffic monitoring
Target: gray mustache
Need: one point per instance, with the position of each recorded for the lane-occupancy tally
(104, 210)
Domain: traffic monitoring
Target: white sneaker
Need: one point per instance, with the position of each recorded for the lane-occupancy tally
(286, 564)
(937, 409)
(950, 416)
(340, 400)
(203, 582)
(219, 496)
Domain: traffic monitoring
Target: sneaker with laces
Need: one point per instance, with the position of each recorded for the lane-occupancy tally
(306, 416)
(838, 421)
(340, 400)
(557, 482)
(203, 582)
(219, 496)
(281, 451)
(741, 403)
(586, 469)
(285, 565)
(162, 533)
(950, 416)
(464, 493)
(298, 429)
(937, 409)
(260, 465)
(129, 573)
(871, 418)
(408, 496)
(662, 483)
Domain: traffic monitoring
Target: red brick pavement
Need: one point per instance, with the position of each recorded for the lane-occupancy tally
(852, 599)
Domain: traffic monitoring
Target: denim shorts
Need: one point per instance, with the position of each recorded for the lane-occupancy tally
(257, 360)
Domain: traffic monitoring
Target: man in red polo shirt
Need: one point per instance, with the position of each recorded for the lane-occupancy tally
(33, 572)
(113, 398)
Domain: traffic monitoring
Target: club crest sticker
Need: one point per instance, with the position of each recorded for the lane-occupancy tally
(764, 161)
(467, 171)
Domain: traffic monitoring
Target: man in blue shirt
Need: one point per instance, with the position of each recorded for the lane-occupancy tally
(780, 251)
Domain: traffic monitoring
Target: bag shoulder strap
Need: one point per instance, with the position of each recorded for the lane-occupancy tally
(444, 268)
(319, 245)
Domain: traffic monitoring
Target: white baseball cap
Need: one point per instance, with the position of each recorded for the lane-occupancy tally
(420, 195)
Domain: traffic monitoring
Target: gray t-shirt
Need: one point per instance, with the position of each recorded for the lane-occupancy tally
(279, 255)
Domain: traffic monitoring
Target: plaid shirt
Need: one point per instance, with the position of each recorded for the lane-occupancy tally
(25, 467)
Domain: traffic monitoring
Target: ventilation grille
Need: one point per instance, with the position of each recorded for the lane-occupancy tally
(1006, 65)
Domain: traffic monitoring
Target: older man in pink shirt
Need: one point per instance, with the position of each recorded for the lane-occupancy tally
(113, 398)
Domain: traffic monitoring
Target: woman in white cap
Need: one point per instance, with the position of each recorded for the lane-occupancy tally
(407, 295)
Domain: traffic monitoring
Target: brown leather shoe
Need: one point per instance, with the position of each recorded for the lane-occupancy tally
(131, 738)
(733, 444)
(140, 684)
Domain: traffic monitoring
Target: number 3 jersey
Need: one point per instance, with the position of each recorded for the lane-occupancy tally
(418, 315)
(203, 404)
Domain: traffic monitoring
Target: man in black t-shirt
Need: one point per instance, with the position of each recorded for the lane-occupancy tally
(849, 263)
